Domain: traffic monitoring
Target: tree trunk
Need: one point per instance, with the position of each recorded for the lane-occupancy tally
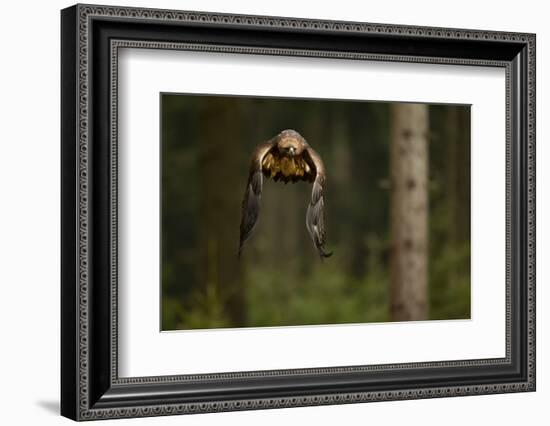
(220, 194)
(409, 212)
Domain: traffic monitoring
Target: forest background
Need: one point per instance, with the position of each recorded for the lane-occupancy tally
(397, 213)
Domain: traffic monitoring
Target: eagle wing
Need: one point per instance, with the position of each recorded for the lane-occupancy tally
(315, 221)
(253, 193)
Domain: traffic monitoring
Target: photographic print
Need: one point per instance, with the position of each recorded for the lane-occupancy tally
(291, 212)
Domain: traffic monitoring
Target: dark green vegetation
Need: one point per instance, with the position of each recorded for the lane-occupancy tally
(207, 142)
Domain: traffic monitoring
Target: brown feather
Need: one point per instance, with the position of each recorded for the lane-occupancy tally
(280, 167)
(286, 157)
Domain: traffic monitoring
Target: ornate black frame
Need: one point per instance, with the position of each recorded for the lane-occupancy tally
(91, 37)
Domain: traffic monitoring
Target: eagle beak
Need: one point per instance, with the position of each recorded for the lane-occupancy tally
(292, 150)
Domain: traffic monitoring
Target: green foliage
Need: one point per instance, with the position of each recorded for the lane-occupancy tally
(206, 311)
(277, 297)
(327, 295)
(450, 283)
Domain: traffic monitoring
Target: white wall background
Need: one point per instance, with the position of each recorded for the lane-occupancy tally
(29, 212)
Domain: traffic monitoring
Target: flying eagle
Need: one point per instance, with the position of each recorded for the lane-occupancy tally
(286, 157)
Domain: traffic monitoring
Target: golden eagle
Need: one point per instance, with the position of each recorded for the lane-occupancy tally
(286, 157)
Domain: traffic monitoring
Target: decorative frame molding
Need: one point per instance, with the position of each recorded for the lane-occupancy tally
(91, 37)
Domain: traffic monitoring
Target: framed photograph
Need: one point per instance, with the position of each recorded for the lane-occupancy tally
(263, 212)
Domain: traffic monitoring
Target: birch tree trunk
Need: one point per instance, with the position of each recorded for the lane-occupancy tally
(409, 212)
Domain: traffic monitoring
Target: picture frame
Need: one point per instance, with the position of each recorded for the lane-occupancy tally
(90, 384)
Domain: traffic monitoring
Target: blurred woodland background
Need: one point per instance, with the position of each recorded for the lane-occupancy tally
(397, 213)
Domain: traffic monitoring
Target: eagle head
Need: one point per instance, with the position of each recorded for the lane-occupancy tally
(290, 143)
